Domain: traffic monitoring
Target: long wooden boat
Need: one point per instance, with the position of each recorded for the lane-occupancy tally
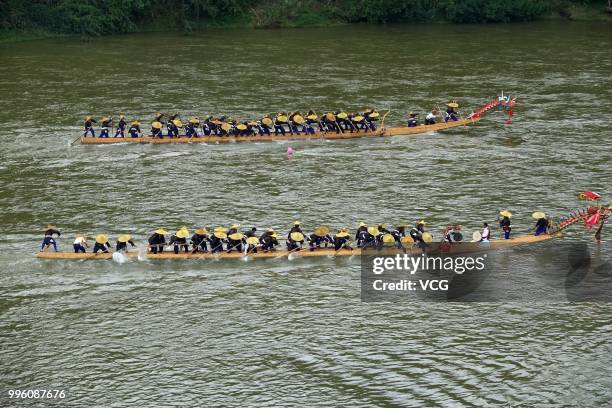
(434, 248)
(382, 132)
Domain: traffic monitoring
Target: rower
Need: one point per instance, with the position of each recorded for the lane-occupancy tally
(233, 229)
(268, 240)
(311, 119)
(504, 223)
(122, 242)
(173, 127)
(251, 233)
(80, 243)
(48, 240)
(296, 119)
(371, 238)
(412, 119)
(101, 244)
(318, 237)
(330, 121)
(342, 240)
(343, 121)
(542, 223)
(89, 121)
(191, 128)
(242, 129)
(295, 240)
(198, 240)
(358, 121)
(106, 122)
(451, 113)
(371, 116)
(279, 121)
(235, 241)
(430, 119)
(208, 127)
(416, 233)
(486, 233)
(179, 240)
(264, 125)
(121, 126)
(156, 130)
(295, 228)
(251, 244)
(453, 234)
(134, 129)
(383, 230)
(399, 232)
(157, 241)
(217, 239)
(359, 235)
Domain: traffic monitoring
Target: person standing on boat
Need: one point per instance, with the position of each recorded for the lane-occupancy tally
(542, 223)
(504, 223)
(48, 240)
(106, 122)
(89, 121)
(198, 240)
(122, 242)
(451, 113)
(134, 129)
(157, 240)
(121, 126)
(268, 240)
(80, 244)
(412, 119)
(101, 244)
(430, 119)
(342, 239)
(485, 236)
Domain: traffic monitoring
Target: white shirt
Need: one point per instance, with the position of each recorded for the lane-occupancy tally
(80, 241)
(485, 233)
(430, 115)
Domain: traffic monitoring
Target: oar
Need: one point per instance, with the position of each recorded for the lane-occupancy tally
(78, 138)
(382, 121)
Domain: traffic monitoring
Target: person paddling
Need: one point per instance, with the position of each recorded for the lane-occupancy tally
(101, 244)
(88, 124)
(48, 239)
(157, 240)
(134, 129)
(121, 126)
(80, 244)
(542, 223)
(268, 240)
(505, 222)
(105, 123)
(122, 242)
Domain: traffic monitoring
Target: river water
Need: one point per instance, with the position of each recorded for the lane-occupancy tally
(279, 332)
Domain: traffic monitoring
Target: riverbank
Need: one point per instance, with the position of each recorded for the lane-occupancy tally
(268, 15)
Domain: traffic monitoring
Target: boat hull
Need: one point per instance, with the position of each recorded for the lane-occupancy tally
(436, 248)
(398, 131)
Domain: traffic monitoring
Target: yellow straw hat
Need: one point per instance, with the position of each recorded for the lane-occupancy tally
(177, 123)
(407, 241)
(297, 236)
(220, 229)
(374, 114)
(505, 213)
(104, 119)
(362, 224)
(342, 234)
(476, 236)
(237, 236)
(241, 126)
(201, 231)
(101, 239)
(427, 237)
(235, 226)
(271, 230)
(538, 214)
(299, 119)
(296, 222)
(161, 231)
(252, 240)
(194, 120)
(374, 231)
(388, 239)
(452, 104)
(50, 226)
(330, 117)
(281, 118)
(124, 238)
(358, 118)
(156, 125)
(182, 233)
(422, 222)
(226, 126)
(266, 121)
(220, 234)
(88, 118)
(136, 123)
(342, 115)
(312, 117)
(321, 231)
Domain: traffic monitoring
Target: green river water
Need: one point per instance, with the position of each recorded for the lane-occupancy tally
(295, 332)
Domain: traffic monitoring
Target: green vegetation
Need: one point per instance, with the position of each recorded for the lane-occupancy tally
(39, 18)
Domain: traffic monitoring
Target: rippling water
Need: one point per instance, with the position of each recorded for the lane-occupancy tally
(278, 332)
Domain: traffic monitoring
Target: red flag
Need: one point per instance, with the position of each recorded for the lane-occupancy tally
(592, 220)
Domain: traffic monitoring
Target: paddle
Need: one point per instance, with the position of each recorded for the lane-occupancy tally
(78, 138)
(382, 121)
